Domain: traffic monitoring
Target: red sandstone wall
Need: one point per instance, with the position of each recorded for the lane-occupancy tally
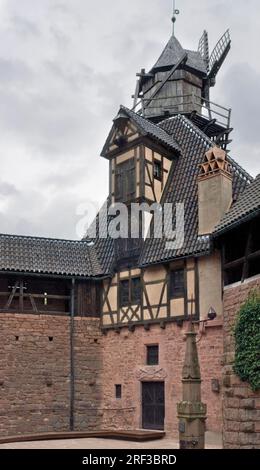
(241, 406)
(34, 373)
(124, 359)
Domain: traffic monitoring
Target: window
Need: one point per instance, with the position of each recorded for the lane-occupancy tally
(118, 389)
(130, 292)
(136, 290)
(125, 181)
(124, 293)
(153, 355)
(157, 170)
(177, 284)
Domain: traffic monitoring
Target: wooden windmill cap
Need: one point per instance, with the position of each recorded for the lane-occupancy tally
(215, 161)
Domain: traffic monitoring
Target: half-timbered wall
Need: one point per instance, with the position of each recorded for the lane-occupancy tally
(120, 137)
(154, 185)
(161, 299)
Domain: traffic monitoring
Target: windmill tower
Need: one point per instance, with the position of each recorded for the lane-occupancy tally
(180, 82)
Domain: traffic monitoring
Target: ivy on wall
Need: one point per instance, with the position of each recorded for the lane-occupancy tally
(247, 339)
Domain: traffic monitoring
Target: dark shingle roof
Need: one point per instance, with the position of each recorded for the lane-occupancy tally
(246, 207)
(104, 245)
(151, 129)
(182, 188)
(173, 52)
(48, 256)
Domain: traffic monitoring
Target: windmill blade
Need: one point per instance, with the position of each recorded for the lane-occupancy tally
(203, 48)
(218, 55)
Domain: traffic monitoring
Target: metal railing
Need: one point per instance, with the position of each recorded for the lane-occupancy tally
(185, 104)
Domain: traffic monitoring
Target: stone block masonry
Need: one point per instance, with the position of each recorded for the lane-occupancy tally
(241, 406)
(35, 373)
(124, 363)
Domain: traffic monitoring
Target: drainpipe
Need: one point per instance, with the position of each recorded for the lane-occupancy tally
(72, 365)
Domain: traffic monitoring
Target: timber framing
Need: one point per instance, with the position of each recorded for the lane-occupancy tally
(156, 304)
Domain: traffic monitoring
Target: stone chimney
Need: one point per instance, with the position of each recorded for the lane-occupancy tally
(214, 189)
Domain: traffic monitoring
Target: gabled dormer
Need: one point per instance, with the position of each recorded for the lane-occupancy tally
(141, 155)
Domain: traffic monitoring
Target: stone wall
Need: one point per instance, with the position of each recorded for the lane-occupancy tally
(124, 362)
(241, 406)
(35, 373)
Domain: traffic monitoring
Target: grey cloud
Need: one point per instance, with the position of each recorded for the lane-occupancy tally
(14, 71)
(65, 67)
(242, 90)
(7, 189)
(24, 27)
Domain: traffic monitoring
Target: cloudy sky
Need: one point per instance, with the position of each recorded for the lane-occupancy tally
(67, 65)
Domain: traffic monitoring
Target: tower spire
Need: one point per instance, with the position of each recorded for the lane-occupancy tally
(175, 13)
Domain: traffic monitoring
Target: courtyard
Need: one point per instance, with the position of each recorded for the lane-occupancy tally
(213, 441)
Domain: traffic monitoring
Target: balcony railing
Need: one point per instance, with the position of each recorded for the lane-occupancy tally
(183, 104)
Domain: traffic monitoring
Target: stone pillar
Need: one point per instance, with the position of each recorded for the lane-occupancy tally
(191, 411)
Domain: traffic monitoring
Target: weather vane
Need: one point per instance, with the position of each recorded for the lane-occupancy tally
(175, 12)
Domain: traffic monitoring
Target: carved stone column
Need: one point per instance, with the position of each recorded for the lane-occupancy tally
(191, 411)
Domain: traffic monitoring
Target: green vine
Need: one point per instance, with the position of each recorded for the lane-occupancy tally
(247, 340)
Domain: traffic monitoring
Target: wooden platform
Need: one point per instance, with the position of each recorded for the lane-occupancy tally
(137, 436)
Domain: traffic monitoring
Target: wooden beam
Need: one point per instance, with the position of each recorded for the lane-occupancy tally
(247, 252)
(33, 304)
(182, 60)
(15, 287)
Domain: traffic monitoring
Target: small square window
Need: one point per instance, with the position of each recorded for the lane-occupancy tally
(153, 355)
(118, 389)
(157, 170)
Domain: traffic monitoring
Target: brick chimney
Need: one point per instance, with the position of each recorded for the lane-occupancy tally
(214, 189)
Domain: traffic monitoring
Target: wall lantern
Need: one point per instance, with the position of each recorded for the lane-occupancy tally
(212, 314)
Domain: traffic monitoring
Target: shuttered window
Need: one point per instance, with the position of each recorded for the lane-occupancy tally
(125, 181)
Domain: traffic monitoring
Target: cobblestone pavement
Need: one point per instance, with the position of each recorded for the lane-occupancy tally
(213, 441)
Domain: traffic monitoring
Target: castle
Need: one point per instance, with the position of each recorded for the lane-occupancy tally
(92, 331)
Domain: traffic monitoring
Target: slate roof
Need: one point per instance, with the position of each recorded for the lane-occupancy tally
(181, 187)
(80, 259)
(152, 130)
(245, 208)
(173, 52)
(48, 256)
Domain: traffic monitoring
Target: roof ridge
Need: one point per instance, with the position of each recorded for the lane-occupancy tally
(32, 237)
(191, 124)
(155, 130)
(207, 140)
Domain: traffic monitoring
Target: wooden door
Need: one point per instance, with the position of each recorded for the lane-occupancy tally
(153, 405)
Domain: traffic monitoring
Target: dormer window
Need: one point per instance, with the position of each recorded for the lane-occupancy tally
(157, 170)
